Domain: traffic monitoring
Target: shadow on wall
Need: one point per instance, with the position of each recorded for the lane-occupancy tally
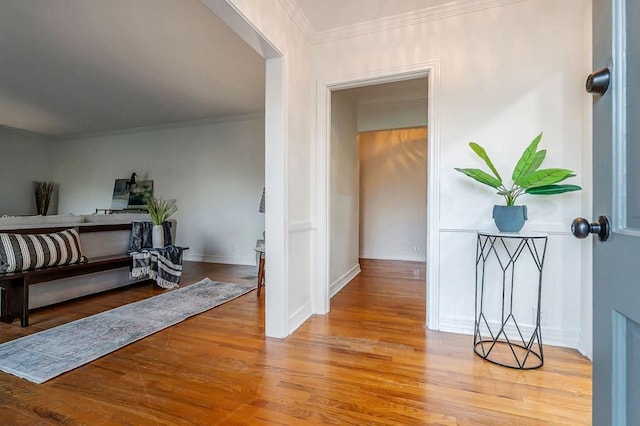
(395, 149)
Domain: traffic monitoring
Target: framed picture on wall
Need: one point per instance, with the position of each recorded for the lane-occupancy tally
(139, 194)
(127, 196)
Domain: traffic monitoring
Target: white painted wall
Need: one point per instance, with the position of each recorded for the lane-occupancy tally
(345, 187)
(290, 156)
(396, 114)
(215, 171)
(26, 158)
(505, 74)
(393, 194)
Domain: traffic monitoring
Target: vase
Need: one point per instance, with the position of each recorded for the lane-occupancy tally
(509, 218)
(157, 236)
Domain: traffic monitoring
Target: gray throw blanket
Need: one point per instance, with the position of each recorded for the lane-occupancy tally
(141, 235)
(162, 265)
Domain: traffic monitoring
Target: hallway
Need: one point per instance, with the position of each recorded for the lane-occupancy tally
(370, 361)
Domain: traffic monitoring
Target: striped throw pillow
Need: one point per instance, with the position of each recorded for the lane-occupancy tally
(21, 252)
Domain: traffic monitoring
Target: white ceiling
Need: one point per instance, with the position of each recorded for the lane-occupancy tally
(70, 67)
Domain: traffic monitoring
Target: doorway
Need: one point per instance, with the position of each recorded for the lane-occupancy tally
(328, 285)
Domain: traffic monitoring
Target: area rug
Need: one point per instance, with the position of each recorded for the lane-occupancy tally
(44, 355)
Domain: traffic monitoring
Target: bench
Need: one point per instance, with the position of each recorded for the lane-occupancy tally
(14, 286)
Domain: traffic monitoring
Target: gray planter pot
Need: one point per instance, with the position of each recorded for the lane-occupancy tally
(509, 218)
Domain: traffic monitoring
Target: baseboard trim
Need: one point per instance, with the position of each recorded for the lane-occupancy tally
(392, 257)
(553, 336)
(299, 317)
(209, 258)
(584, 347)
(339, 284)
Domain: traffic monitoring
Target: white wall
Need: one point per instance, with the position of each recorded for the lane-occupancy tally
(26, 158)
(505, 74)
(290, 165)
(396, 114)
(344, 201)
(393, 194)
(215, 171)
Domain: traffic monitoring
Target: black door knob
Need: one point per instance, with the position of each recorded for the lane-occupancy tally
(581, 228)
(598, 82)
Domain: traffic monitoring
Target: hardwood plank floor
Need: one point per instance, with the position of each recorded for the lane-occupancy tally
(370, 361)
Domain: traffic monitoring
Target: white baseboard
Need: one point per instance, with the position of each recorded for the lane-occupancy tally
(210, 258)
(407, 258)
(585, 347)
(299, 317)
(339, 284)
(553, 336)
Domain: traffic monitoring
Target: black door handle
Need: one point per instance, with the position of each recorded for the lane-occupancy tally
(598, 82)
(581, 228)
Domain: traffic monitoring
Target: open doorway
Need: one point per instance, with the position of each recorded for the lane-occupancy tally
(378, 178)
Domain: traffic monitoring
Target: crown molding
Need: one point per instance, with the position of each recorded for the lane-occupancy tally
(156, 127)
(454, 8)
(299, 18)
(17, 130)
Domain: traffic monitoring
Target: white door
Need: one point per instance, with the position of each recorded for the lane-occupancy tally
(616, 192)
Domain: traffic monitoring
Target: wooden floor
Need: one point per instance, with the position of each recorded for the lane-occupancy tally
(369, 362)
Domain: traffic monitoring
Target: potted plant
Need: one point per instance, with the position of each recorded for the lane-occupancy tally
(160, 210)
(527, 178)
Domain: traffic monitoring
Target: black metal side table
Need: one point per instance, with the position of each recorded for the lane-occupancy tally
(501, 260)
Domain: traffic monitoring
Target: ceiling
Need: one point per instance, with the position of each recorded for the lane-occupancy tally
(74, 67)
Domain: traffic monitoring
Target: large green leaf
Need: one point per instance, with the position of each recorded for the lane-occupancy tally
(544, 177)
(552, 189)
(528, 157)
(483, 154)
(482, 177)
(537, 161)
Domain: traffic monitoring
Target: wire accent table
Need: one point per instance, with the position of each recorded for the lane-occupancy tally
(498, 337)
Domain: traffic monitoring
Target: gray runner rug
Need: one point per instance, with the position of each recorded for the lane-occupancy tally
(44, 355)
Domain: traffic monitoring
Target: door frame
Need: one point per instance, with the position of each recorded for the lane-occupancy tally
(276, 167)
(431, 70)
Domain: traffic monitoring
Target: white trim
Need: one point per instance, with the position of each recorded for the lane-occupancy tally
(585, 346)
(300, 226)
(394, 257)
(299, 317)
(299, 18)
(551, 228)
(254, 32)
(409, 18)
(247, 25)
(431, 70)
(164, 126)
(432, 245)
(345, 279)
(213, 258)
(554, 336)
(276, 183)
(323, 155)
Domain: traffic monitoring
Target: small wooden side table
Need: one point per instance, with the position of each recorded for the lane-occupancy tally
(260, 250)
